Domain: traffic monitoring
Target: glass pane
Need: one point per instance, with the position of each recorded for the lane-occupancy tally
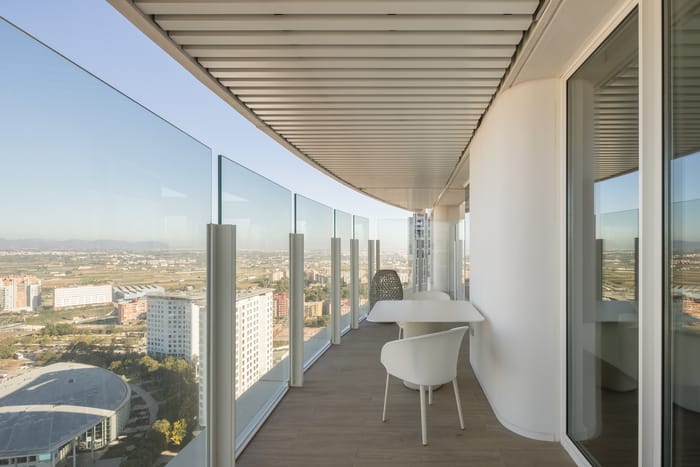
(262, 213)
(315, 221)
(393, 237)
(466, 270)
(361, 231)
(603, 162)
(343, 230)
(683, 242)
(102, 262)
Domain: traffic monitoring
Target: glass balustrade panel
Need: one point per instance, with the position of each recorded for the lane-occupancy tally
(261, 210)
(343, 230)
(315, 221)
(361, 234)
(102, 267)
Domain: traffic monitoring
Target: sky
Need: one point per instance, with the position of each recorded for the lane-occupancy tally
(96, 37)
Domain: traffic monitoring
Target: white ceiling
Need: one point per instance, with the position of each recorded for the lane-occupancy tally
(383, 95)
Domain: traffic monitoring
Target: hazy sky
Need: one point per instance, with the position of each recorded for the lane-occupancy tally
(99, 39)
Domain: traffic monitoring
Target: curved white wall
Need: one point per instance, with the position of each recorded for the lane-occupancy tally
(516, 226)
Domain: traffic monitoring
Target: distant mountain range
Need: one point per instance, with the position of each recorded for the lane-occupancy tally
(43, 244)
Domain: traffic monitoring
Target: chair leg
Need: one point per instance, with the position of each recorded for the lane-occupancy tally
(459, 403)
(386, 395)
(430, 395)
(423, 426)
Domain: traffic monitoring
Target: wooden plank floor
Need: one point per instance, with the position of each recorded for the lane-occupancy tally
(335, 419)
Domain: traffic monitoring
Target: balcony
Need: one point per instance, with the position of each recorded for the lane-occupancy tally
(335, 419)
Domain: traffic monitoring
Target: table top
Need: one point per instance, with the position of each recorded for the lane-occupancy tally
(424, 311)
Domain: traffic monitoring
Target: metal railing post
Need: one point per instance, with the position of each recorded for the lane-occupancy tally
(354, 283)
(296, 309)
(221, 344)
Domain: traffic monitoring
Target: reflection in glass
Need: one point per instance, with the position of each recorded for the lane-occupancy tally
(315, 221)
(682, 405)
(393, 235)
(262, 213)
(343, 230)
(103, 256)
(361, 234)
(603, 161)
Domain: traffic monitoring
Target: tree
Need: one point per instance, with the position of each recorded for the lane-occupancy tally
(7, 351)
(178, 433)
(159, 434)
(148, 365)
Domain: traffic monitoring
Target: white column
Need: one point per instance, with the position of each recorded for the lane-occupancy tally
(370, 250)
(651, 223)
(296, 309)
(221, 344)
(377, 255)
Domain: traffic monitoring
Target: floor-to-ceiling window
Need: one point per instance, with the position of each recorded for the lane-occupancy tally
(682, 179)
(602, 334)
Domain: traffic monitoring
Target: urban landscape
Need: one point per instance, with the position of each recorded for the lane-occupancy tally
(140, 317)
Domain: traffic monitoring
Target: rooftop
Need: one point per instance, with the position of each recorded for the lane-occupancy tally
(48, 406)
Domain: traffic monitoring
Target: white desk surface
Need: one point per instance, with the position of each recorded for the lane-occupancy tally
(424, 311)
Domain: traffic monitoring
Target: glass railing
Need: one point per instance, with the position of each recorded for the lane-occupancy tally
(343, 230)
(361, 234)
(103, 270)
(315, 221)
(393, 236)
(617, 238)
(102, 267)
(262, 213)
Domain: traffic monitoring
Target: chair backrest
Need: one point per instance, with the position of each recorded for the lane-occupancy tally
(385, 285)
(428, 359)
(426, 295)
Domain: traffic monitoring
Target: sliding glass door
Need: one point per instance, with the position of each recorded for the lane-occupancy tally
(682, 180)
(602, 251)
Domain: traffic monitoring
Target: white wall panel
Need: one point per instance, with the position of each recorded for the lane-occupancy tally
(516, 221)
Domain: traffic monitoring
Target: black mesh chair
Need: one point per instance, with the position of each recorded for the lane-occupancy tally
(385, 285)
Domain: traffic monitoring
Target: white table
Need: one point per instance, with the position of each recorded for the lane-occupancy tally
(424, 316)
(424, 311)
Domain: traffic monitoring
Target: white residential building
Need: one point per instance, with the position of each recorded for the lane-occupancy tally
(81, 296)
(254, 312)
(172, 327)
(18, 293)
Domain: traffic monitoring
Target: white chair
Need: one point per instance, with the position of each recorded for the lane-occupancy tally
(423, 295)
(425, 360)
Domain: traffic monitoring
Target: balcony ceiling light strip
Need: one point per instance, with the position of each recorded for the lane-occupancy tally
(344, 38)
(377, 7)
(351, 63)
(361, 82)
(399, 73)
(350, 51)
(352, 22)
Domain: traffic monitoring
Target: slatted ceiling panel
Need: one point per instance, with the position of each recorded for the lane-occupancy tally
(616, 123)
(686, 82)
(382, 94)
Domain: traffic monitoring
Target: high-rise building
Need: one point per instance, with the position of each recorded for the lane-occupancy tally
(419, 249)
(281, 304)
(18, 293)
(130, 311)
(254, 357)
(172, 327)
